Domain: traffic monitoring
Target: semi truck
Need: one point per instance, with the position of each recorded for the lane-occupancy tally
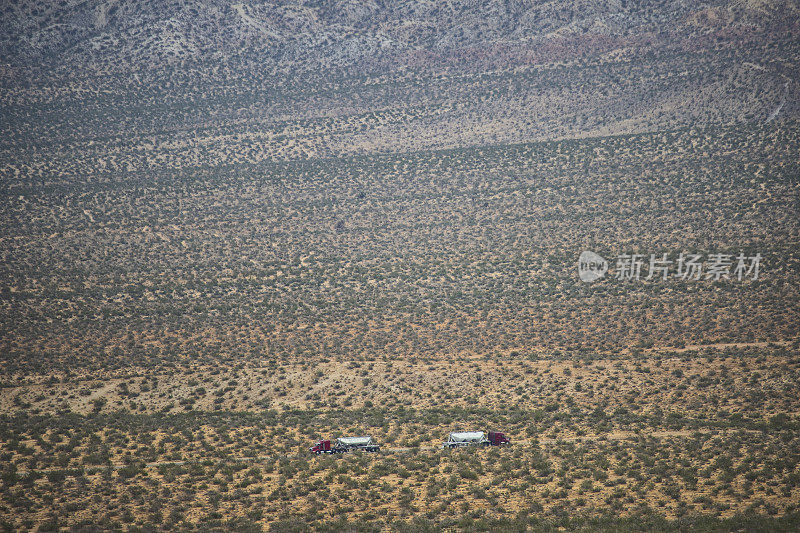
(345, 444)
(475, 438)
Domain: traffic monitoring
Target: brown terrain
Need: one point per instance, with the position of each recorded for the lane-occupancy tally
(229, 230)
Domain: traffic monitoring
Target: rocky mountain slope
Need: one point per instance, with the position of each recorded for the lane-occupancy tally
(297, 35)
(214, 82)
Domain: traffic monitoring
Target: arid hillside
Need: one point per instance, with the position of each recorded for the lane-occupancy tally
(191, 84)
(470, 251)
(230, 229)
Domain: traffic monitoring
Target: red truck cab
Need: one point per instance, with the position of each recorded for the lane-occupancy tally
(498, 438)
(323, 446)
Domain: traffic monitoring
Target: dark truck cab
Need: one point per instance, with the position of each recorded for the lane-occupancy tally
(498, 438)
(323, 446)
